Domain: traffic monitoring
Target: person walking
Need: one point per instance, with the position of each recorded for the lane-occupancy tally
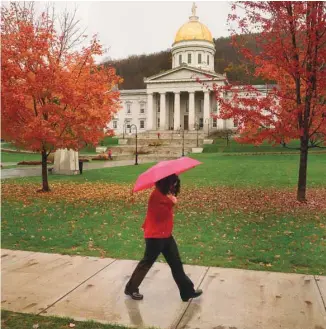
(110, 154)
(158, 227)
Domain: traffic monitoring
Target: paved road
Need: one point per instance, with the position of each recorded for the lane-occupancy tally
(87, 288)
(36, 170)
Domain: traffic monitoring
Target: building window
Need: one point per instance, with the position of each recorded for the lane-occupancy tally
(128, 108)
(199, 58)
(214, 123)
(180, 59)
(187, 106)
(189, 58)
(201, 122)
(158, 123)
(201, 106)
(235, 123)
(142, 124)
(207, 59)
(128, 124)
(142, 108)
(115, 125)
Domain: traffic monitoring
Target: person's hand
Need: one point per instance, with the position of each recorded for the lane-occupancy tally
(173, 198)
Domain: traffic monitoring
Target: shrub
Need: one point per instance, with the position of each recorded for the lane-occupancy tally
(31, 163)
(102, 156)
(156, 144)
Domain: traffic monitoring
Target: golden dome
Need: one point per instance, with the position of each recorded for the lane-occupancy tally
(193, 30)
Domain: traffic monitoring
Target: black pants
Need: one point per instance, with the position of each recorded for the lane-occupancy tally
(169, 249)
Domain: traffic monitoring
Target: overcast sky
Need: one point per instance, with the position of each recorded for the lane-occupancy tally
(138, 27)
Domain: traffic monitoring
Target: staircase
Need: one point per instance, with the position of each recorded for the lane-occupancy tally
(168, 145)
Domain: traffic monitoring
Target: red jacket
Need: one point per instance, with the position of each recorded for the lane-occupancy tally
(159, 218)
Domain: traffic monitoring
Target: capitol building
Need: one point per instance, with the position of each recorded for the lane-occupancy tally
(175, 99)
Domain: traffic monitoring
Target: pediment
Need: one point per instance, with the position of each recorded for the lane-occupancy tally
(184, 73)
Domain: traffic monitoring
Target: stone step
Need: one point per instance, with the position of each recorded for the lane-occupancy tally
(167, 135)
(165, 142)
(154, 157)
(126, 149)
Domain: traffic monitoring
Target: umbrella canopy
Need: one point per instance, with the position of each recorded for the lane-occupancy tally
(163, 169)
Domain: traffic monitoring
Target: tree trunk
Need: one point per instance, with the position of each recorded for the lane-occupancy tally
(302, 182)
(45, 183)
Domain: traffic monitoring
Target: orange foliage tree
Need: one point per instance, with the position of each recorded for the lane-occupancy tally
(52, 95)
(291, 38)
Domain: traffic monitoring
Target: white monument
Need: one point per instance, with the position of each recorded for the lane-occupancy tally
(66, 162)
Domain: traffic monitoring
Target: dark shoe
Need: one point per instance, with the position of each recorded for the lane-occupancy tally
(195, 294)
(134, 295)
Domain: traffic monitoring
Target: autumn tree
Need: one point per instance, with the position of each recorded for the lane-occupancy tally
(53, 96)
(291, 37)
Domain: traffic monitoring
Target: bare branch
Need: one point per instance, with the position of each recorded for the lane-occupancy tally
(72, 34)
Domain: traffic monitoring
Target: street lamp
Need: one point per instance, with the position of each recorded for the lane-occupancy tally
(136, 159)
(207, 120)
(183, 142)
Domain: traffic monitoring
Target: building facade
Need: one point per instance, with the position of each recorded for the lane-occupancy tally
(175, 99)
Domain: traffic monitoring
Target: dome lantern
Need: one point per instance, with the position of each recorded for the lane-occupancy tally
(193, 44)
(193, 30)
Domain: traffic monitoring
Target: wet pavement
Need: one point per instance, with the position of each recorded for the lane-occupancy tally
(90, 288)
(21, 172)
(7, 164)
(37, 171)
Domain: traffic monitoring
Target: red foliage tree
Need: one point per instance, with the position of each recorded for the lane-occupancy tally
(52, 96)
(291, 37)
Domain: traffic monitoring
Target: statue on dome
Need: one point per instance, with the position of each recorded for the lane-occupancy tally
(193, 9)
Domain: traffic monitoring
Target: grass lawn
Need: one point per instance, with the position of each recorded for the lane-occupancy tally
(12, 320)
(7, 145)
(279, 242)
(220, 146)
(218, 169)
(107, 141)
(17, 157)
(235, 211)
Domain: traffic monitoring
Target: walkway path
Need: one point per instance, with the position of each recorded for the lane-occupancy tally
(36, 170)
(92, 288)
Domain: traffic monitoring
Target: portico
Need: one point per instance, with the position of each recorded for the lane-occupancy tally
(175, 109)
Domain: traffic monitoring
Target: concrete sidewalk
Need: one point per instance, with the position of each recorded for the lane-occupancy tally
(37, 170)
(92, 288)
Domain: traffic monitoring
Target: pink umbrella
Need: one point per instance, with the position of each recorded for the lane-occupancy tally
(164, 169)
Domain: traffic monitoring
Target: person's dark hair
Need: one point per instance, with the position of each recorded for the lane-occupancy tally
(170, 184)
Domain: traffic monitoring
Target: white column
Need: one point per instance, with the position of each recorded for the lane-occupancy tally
(191, 110)
(162, 111)
(176, 111)
(206, 105)
(150, 111)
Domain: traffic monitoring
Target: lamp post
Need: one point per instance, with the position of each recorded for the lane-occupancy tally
(136, 159)
(183, 142)
(207, 120)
